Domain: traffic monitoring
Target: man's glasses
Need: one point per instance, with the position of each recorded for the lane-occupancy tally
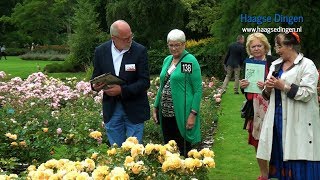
(176, 46)
(125, 39)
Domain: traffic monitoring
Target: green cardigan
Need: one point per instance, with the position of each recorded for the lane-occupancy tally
(193, 94)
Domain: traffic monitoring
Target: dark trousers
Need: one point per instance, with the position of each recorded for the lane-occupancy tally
(171, 132)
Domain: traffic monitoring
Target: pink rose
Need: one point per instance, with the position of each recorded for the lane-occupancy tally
(59, 131)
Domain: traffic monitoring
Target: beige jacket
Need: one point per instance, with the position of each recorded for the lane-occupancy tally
(301, 123)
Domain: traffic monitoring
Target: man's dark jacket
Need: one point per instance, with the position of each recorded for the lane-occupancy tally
(236, 55)
(134, 92)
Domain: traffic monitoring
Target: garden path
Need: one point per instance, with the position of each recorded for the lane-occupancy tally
(234, 158)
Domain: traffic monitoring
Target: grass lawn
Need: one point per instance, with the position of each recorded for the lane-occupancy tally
(14, 66)
(234, 158)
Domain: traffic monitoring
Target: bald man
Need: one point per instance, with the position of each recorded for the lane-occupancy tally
(125, 106)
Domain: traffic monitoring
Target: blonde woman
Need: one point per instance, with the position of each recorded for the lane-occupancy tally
(257, 47)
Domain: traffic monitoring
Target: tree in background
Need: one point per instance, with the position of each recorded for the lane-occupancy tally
(86, 35)
(41, 22)
(8, 31)
(150, 20)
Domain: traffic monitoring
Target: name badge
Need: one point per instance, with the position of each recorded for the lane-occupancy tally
(130, 67)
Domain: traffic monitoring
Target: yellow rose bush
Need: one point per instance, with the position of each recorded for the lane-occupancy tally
(130, 161)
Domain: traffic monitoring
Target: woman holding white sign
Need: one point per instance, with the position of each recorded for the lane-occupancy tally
(257, 47)
(177, 103)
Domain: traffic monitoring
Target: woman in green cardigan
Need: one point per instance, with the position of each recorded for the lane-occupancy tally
(177, 103)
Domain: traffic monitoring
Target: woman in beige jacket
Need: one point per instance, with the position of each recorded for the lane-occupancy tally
(290, 136)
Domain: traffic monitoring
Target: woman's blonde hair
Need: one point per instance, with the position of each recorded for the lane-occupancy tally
(261, 37)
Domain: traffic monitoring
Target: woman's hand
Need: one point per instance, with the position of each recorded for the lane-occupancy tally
(244, 83)
(274, 83)
(155, 115)
(190, 122)
(260, 84)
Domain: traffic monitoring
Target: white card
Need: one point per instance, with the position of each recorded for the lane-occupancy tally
(130, 67)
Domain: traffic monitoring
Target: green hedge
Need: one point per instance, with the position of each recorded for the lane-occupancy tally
(209, 55)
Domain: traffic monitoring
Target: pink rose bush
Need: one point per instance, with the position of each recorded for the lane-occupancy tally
(40, 86)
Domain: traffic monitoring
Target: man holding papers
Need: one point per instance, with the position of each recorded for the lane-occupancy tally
(125, 104)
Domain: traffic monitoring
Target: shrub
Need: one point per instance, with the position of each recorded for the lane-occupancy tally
(16, 51)
(209, 56)
(62, 67)
(48, 55)
(60, 49)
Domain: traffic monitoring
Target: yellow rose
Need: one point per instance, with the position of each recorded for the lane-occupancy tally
(71, 175)
(14, 144)
(11, 136)
(23, 144)
(83, 176)
(40, 175)
(13, 176)
(54, 177)
(32, 168)
(206, 152)
(197, 163)
(127, 145)
(100, 172)
(119, 173)
(208, 161)
(163, 150)
(45, 130)
(78, 165)
(149, 148)
(136, 150)
(51, 163)
(128, 160)
(94, 155)
(172, 143)
(189, 164)
(137, 167)
(165, 166)
(112, 151)
(134, 140)
(89, 163)
(95, 134)
(157, 147)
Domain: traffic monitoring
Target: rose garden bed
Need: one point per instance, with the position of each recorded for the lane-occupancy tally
(47, 122)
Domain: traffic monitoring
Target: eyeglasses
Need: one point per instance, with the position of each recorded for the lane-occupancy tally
(257, 46)
(125, 39)
(176, 46)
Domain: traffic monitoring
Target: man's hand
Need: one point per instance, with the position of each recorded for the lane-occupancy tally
(98, 86)
(113, 90)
